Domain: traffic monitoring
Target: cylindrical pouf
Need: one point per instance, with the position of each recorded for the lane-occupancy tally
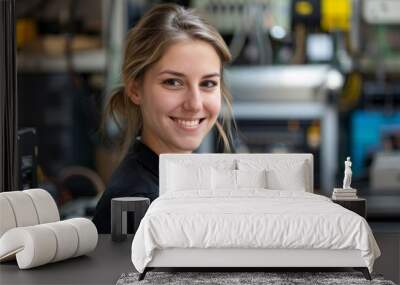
(23, 208)
(87, 235)
(67, 239)
(34, 245)
(45, 205)
(7, 218)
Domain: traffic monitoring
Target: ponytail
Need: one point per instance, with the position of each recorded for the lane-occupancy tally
(126, 115)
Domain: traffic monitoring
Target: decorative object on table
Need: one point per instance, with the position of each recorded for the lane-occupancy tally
(347, 192)
(344, 194)
(357, 205)
(31, 231)
(347, 174)
(243, 278)
(119, 208)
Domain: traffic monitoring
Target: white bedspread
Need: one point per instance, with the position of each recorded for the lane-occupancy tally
(250, 219)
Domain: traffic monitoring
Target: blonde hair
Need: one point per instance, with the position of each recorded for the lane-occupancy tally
(146, 42)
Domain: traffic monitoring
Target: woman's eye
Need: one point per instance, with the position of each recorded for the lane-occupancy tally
(209, 84)
(172, 82)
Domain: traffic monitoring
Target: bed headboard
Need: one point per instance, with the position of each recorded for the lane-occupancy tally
(230, 161)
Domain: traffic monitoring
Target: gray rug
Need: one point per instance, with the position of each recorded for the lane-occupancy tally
(229, 278)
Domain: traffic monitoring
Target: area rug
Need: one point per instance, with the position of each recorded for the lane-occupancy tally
(268, 278)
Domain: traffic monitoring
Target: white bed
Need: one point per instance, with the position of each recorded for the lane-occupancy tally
(247, 210)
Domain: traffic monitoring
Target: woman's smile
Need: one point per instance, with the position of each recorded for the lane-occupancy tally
(188, 124)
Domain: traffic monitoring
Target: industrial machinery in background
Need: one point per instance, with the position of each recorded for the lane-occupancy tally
(61, 61)
(27, 158)
(285, 77)
(280, 31)
(375, 119)
(302, 72)
(289, 109)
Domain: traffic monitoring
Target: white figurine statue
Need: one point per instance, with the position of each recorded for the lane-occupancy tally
(347, 174)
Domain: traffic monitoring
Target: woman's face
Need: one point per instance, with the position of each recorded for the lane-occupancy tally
(180, 97)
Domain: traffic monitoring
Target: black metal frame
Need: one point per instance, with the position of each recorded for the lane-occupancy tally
(8, 98)
(364, 270)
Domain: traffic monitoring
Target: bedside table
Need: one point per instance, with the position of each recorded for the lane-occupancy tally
(358, 205)
(119, 208)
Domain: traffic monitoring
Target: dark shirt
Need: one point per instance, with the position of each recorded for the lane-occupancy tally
(136, 176)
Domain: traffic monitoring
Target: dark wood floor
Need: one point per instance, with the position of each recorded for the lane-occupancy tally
(387, 235)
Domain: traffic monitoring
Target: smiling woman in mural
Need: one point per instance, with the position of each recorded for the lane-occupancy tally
(171, 99)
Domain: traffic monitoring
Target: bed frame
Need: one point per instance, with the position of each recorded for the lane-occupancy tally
(242, 259)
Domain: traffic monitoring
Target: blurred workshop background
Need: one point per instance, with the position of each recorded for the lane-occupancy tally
(317, 76)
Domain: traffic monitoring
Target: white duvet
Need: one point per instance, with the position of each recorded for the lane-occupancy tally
(252, 218)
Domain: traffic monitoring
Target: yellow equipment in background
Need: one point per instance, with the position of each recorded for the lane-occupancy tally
(335, 15)
(26, 32)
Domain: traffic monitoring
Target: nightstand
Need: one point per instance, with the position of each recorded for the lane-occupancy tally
(119, 208)
(358, 205)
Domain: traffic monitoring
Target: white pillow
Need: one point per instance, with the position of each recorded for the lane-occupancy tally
(224, 179)
(282, 174)
(287, 176)
(251, 178)
(183, 177)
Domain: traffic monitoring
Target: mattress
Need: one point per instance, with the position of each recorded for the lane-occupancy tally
(250, 218)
